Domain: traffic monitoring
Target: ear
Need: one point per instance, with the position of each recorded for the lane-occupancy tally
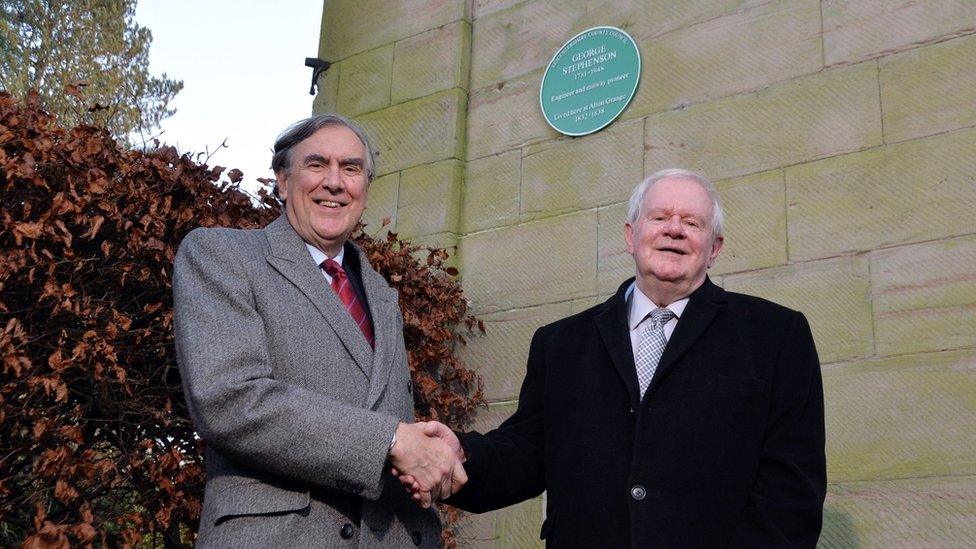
(716, 248)
(629, 237)
(282, 180)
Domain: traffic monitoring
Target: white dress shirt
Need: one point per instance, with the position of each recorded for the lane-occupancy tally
(639, 307)
(318, 256)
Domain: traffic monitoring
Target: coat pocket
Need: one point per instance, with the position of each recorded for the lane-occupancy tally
(256, 498)
(737, 385)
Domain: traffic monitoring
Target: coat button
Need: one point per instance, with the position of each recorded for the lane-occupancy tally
(638, 492)
(346, 531)
(417, 538)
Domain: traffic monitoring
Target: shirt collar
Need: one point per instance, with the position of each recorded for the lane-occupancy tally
(641, 306)
(318, 256)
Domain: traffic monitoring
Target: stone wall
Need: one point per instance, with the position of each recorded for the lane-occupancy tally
(842, 136)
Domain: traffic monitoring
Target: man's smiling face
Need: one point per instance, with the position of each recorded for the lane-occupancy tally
(324, 187)
(672, 240)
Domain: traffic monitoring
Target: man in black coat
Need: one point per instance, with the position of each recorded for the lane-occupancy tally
(717, 441)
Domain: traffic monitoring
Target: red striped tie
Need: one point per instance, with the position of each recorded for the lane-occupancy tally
(341, 285)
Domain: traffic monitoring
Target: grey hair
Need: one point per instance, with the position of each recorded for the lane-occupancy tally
(303, 129)
(637, 196)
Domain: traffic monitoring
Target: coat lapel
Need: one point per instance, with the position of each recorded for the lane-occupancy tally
(612, 323)
(704, 304)
(289, 256)
(388, 335)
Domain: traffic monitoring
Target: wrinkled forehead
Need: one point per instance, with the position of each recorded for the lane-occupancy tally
(334, 140)
(678, 195)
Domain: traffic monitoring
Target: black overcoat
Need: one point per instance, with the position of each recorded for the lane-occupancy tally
(725, 449)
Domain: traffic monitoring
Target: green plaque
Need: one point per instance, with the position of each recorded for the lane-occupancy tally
(590, 81)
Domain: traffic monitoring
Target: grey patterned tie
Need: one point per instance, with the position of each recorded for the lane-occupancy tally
(651, 347)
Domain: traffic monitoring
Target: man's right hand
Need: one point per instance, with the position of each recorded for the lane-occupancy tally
(431, 463)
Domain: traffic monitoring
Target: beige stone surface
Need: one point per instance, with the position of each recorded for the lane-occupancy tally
(491, 192)
(481, 8)
(381, 202)
(755, 222)
(505, 117)
(907, 416)
(533, 263)
(907, 192)
(668, 15)
(500, 355)
(806, 118)
(418, 132)
(925, 296)
(614, 264)
(432, 61)
(585, 172)
(521, 39)
(515, 38)
(364, 81)
(353, 26)
(854, 30)
(327, 92)
(834, 294)
(519, 525)
(904, 513)
(929, 90)
(430, 198)
(580, 305)
(727, 55)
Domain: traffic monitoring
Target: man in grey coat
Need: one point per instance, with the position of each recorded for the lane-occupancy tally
(292, 356)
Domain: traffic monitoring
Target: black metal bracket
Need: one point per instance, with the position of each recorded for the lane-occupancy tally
(319, 66)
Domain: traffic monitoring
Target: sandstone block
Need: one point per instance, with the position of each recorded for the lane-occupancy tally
(915, 512)
(806, 118)
(614, 264)
(834, 295)
(731, 54)
(381, 202)
(907, 192)
(854, 30)
(929, 90)
(327, 93)
(505, 117)
(430, 199)
(353, 26)
(900, 417)
(580, 173)
(433, 61)
(364, 81)
(520, 39)
(755, 222)
(500, 355)
(540, 262)
(491, 192)
(925, 296)
(418, 132)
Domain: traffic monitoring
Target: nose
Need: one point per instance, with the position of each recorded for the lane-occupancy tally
(674, 228)
(332, 179)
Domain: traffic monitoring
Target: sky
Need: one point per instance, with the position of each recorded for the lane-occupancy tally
(242, 63)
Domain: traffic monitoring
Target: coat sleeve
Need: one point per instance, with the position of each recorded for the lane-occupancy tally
(238, 407)
(785, 505)
(505, 466)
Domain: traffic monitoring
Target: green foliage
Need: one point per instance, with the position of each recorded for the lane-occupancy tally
(58, 45)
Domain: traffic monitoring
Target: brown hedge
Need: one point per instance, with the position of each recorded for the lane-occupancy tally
(96, 447)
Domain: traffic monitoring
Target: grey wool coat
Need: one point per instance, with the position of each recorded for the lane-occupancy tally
(295, 408)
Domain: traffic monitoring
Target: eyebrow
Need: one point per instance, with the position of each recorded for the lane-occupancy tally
(315, 157)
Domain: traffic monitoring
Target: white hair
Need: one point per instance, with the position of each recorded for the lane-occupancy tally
(637, 197)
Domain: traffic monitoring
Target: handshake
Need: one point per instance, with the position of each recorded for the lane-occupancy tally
(427, 458)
